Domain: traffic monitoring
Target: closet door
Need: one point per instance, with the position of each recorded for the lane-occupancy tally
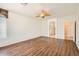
(69, 30)
(52, 29)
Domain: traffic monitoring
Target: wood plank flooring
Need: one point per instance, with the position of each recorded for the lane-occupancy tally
(41, 46)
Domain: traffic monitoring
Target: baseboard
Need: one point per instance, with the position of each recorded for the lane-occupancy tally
(14, 42)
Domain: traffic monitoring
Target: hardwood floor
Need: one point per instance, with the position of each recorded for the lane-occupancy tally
(41, 46)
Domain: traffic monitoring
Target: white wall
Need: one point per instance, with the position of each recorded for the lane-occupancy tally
(44, 27)
(20, 28)
(60, 28)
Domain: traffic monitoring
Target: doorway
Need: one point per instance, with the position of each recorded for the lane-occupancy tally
(69, 30)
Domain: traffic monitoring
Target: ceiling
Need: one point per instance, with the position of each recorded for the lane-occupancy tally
(32, 9)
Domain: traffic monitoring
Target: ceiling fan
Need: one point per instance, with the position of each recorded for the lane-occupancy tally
(43, 14)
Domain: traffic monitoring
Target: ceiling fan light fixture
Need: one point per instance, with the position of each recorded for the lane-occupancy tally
(43, 14)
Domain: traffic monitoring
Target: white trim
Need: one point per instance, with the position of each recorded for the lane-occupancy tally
(14, 42)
